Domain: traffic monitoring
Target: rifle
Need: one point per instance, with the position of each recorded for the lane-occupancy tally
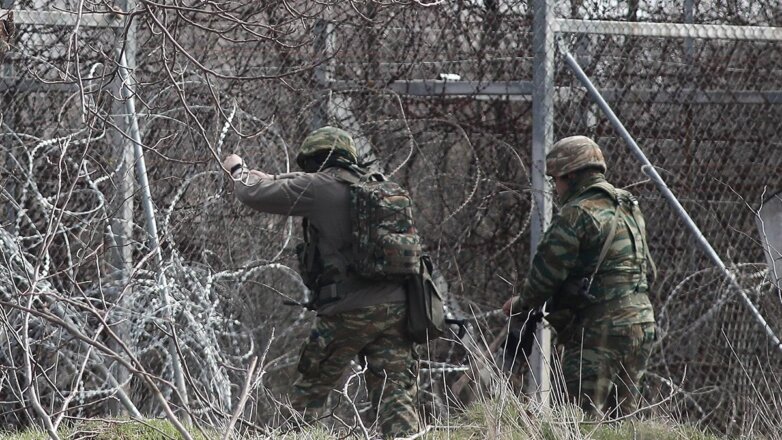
(520, 340)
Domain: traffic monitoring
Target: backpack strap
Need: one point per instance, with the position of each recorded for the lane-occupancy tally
(606, 188)
(310, 244)
(606, 245)
(648, 255)
(305, 227)
(634, 212)
(351, 176)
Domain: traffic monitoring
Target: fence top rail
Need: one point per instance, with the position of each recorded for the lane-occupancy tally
(65, 18)
(433, 87)
(668, 30)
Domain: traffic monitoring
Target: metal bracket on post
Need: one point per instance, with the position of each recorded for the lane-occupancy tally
(650, 171)
(542, 139)
(689, 18)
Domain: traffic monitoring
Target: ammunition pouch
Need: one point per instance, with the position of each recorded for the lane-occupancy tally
(325, 284)
(308, 257)
(314, 270)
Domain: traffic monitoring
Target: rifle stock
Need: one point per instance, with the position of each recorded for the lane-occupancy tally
(521, 339)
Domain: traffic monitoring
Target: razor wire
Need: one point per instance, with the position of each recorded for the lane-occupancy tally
(703, 105)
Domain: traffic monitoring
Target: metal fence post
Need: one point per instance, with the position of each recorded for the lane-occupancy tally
(121, 232)
(10, 185)
(151, 223)
(324, 46)
(542, 138)
(336, 106)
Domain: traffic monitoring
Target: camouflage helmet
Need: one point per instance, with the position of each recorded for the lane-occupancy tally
(331, 139)
(572, 154)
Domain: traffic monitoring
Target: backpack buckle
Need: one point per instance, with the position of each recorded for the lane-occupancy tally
(328, 293)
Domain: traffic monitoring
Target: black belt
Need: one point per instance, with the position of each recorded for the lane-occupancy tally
(336, 291)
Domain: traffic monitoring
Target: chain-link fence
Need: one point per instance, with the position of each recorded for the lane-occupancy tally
(443, 97)
(706, 112)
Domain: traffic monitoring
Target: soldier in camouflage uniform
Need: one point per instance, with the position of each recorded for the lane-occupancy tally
(591, 269)
(356, 317)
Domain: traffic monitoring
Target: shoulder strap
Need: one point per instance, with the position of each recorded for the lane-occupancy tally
(607, 245)
(634, 212)
(648, 256)
(305, 226)
(346, 176)
(607, 188)
(310, 239)
(611, 191)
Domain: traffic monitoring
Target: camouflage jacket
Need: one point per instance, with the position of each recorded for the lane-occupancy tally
(570, 249)
(323, 198)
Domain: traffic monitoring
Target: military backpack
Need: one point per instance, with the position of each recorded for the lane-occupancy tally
(386, 244)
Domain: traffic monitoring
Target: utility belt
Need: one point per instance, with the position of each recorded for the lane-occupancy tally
(582, 302)
(582, 290)
(602, 308)
(333, 292)
(618, 279)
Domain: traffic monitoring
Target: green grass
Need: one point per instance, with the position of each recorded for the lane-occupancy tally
(149, 430)
(645, 430)
(30, 434)
(493, 420)
(112, 430)
(511, 422)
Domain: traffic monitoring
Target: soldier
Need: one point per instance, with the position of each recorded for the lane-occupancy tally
(355, 316)
(591, 269)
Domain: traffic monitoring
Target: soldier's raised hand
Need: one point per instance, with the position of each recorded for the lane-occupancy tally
(232, 163)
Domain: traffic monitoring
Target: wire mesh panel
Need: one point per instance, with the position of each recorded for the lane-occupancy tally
(706, 113)
(56, 174)
(206, 83)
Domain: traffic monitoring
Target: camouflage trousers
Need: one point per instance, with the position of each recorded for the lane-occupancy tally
(604, 366)
(377, 335)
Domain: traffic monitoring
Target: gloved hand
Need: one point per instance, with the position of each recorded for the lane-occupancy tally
(231, 161)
